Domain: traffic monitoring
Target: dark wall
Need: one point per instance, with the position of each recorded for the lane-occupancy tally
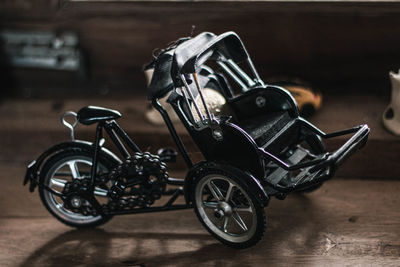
(332, 45)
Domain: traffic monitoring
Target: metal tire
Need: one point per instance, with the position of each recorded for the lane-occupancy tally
(243, 221)
(52, 165)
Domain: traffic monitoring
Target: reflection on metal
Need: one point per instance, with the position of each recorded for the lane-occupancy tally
(241, 73)
(46, 50)
(232, 75)
(70, 126)
(254, 71)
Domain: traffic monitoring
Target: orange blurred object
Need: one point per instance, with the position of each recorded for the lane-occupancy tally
(307, 99)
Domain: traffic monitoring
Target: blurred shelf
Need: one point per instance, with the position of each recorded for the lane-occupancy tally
(356, 40)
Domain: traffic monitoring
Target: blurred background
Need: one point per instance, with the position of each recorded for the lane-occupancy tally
(340, 45)
(59, 55)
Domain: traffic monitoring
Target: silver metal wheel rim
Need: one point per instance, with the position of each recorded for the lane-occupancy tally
(58, 207)
(221, 230)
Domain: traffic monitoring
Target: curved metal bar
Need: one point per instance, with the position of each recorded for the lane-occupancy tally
(70, 126)
(232, 75)
(173, 132)
(288, 167)
(356, 141)
(254, 70)
(314, 129)
(241, 72)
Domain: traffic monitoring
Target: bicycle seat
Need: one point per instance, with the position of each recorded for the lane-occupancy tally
(92, 114)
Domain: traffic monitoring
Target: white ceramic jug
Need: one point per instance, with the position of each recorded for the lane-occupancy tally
(391, 116)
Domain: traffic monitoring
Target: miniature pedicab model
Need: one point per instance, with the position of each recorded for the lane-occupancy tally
(255, 146)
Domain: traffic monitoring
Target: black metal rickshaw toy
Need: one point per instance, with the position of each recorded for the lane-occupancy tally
(255, 146)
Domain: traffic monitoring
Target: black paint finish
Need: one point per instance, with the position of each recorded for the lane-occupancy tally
(261, 137)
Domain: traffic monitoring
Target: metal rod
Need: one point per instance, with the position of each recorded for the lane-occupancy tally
(207, 69)
(70, 126)
(173, 132)
(177, 193)
(233, 76)
(99, 130)
(187, 102)
(254, 70)
(329, 135)
(288, 167)
(196, 80)
(151, 209)
(361, 133)
(118, 130)
(175, 181)
(191, 96)
(117, 142)
(241, 73)
(328, 158)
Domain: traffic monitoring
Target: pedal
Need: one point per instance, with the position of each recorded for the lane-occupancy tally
(167, 154)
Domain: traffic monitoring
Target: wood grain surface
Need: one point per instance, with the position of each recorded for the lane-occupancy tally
(347, 222)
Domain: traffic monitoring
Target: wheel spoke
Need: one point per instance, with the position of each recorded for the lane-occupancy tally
(74, 169)
(239, 221)
(221, 196)
(57, 182)
(224, 227)
(248, 209)
(229, 192)
(210, 205)
(62, 174)
(214, 190)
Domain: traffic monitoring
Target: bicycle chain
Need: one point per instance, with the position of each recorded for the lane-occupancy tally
(136, 183)
(73, 200)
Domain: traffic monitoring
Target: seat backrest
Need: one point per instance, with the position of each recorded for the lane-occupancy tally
(263, 100)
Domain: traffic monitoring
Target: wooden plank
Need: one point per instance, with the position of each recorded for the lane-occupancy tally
(345, 223)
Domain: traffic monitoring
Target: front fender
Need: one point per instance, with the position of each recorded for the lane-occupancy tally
(248, 179)
(33, 169)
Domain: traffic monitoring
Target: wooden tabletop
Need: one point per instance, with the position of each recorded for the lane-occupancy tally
(347, 222)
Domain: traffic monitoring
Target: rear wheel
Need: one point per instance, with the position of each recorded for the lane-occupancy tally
(228, 209)
(65, 167)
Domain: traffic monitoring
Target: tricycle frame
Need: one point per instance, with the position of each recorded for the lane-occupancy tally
(257, 159)
(115, 132)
